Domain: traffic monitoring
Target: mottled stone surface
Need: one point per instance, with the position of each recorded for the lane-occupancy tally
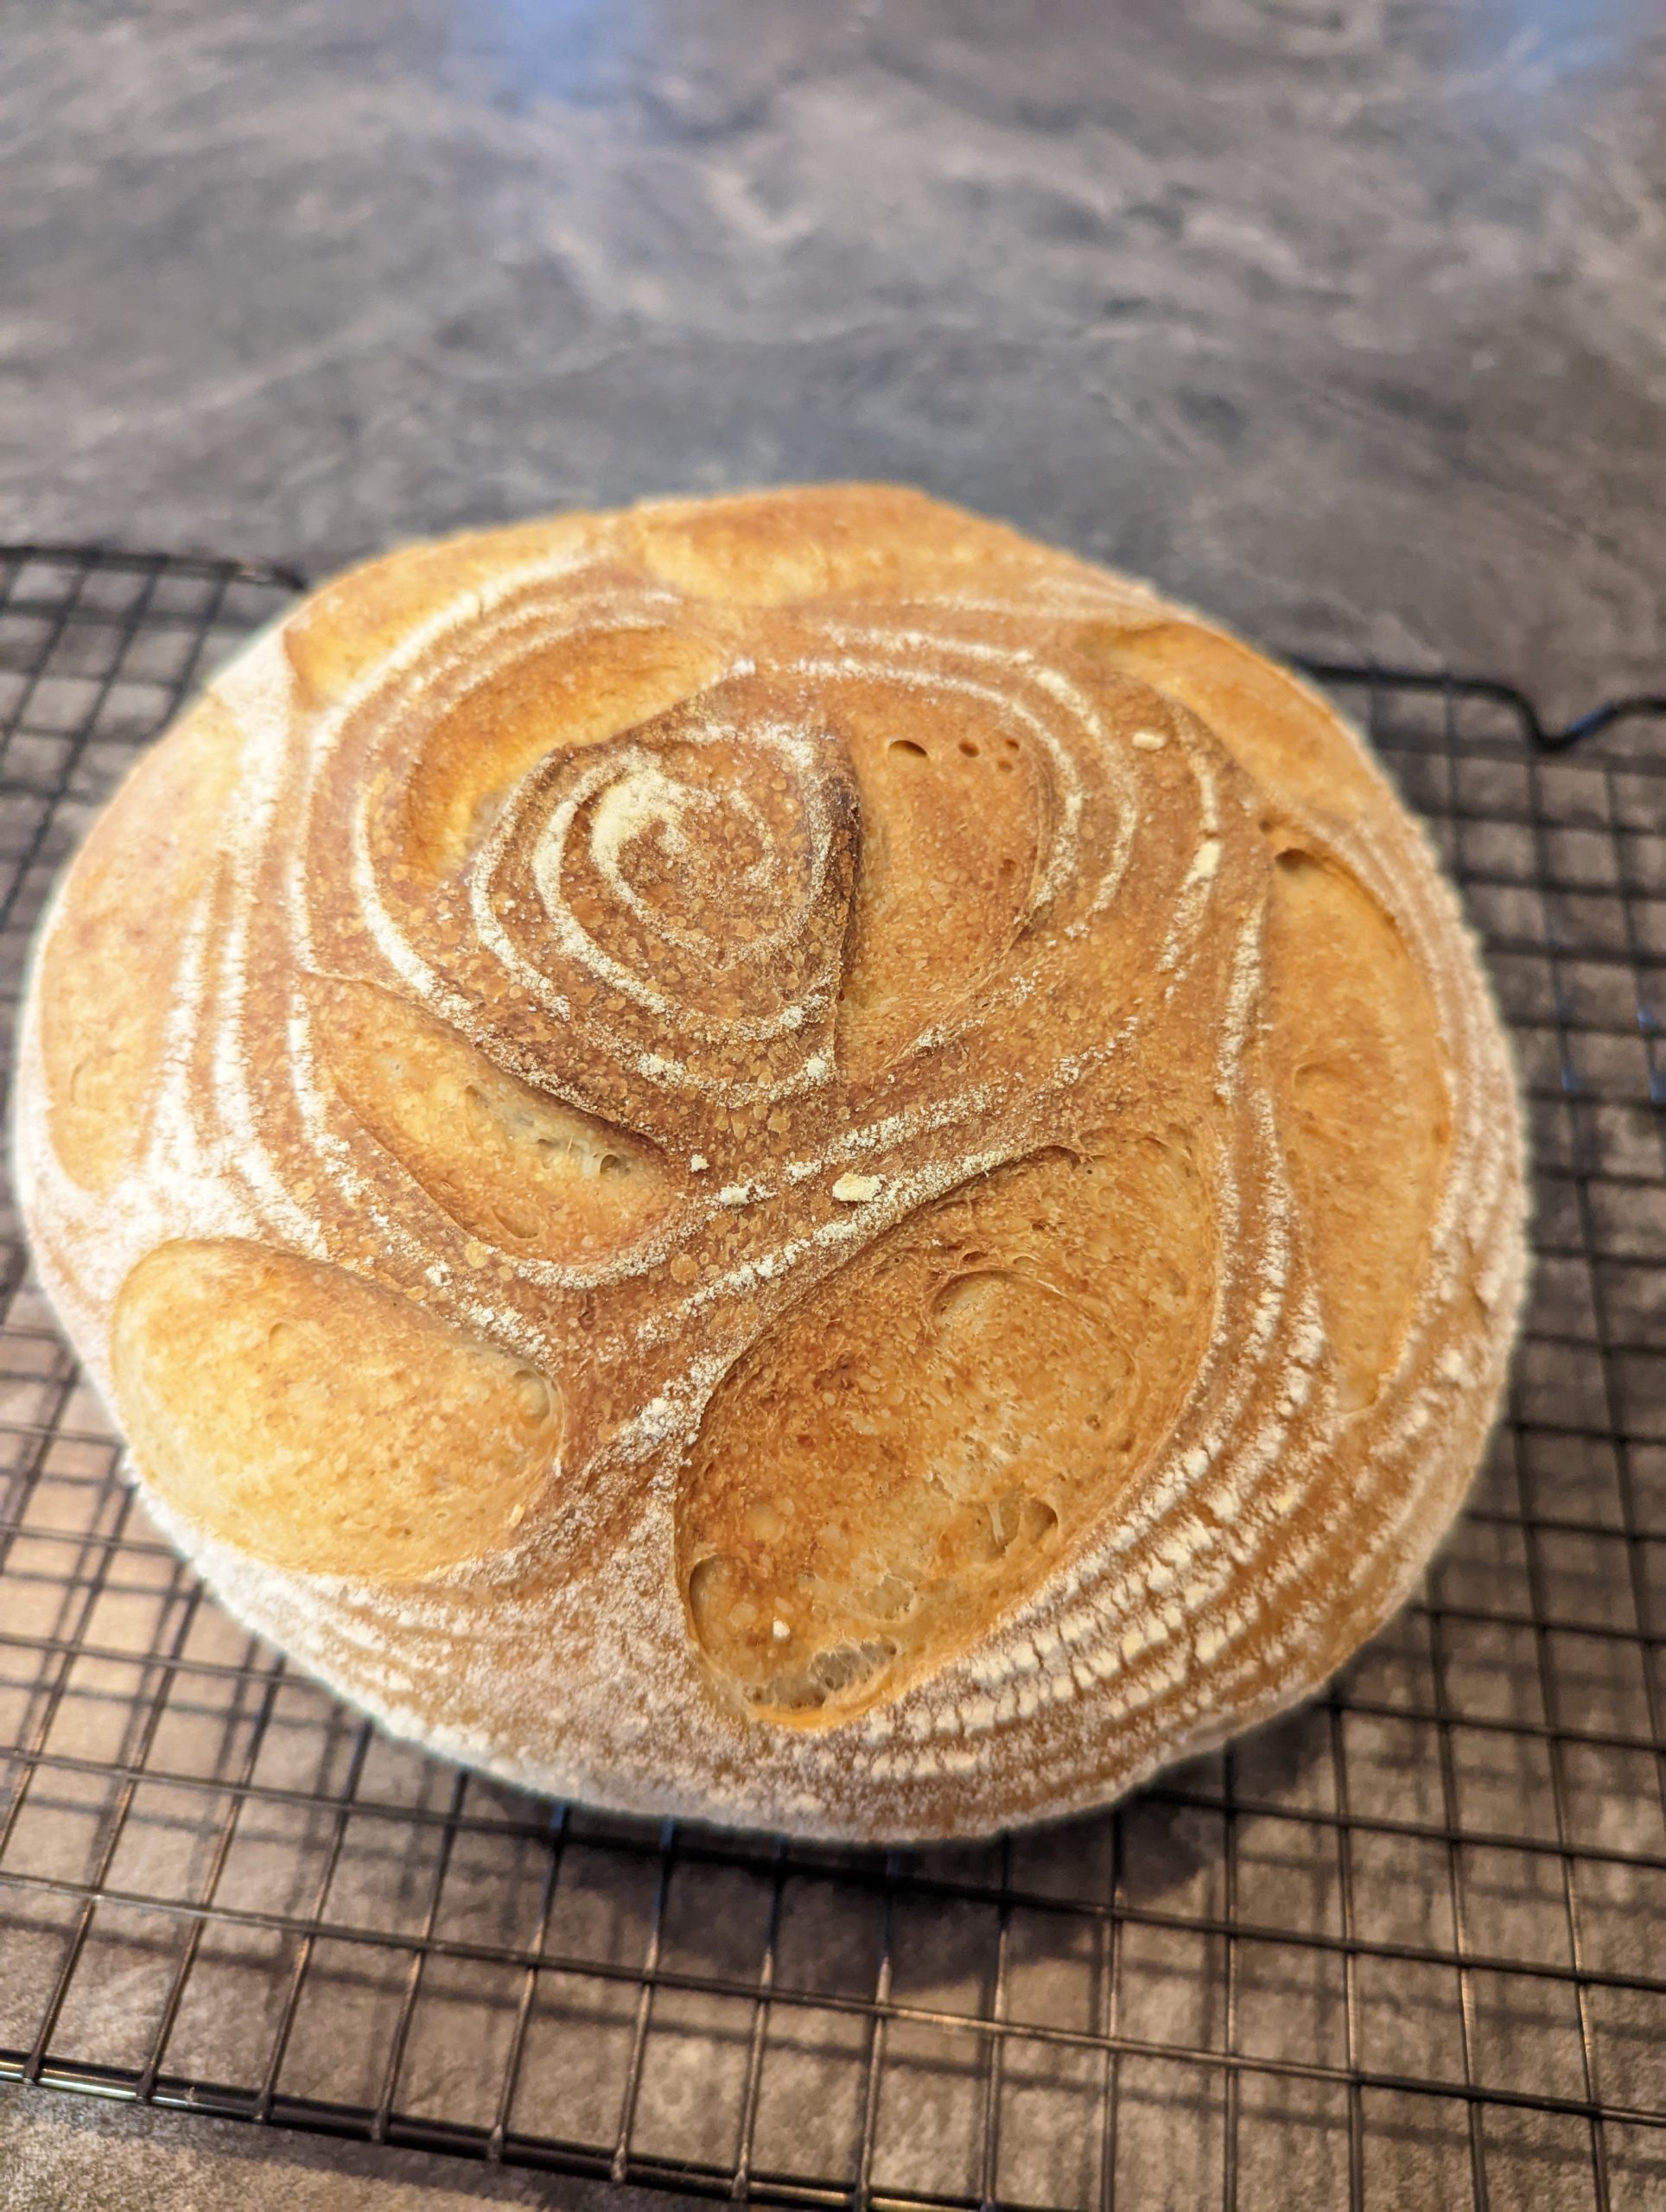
(57, 2152)
(1341, 317)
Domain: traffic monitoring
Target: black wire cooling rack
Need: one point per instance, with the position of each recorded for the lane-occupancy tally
(1406, 1948)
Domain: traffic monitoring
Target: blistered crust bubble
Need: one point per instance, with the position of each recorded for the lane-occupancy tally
(321, 1424)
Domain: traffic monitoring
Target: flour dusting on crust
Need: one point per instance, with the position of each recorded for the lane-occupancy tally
(942, 877)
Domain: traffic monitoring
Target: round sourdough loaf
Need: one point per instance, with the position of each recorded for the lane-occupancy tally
(784, 1158)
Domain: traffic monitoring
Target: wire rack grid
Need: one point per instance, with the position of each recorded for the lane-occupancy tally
(1407, 1947)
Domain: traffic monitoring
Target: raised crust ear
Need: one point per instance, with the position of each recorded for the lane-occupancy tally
(1274, 726)
(907, 1455)
(110, 969)
(509, 1164)
(349, 628)
(320, 1424)
(1360, 1085)
(955, 818)
(757, 549)
(577, 691)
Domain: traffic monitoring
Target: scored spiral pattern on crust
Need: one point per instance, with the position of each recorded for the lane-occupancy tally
(785, 1158)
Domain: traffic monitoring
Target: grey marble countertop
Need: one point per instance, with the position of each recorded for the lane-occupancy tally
(1341, 318)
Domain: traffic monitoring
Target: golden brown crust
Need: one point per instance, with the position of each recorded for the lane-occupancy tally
(248, 1379)
(784, 1157)
(107, 972)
